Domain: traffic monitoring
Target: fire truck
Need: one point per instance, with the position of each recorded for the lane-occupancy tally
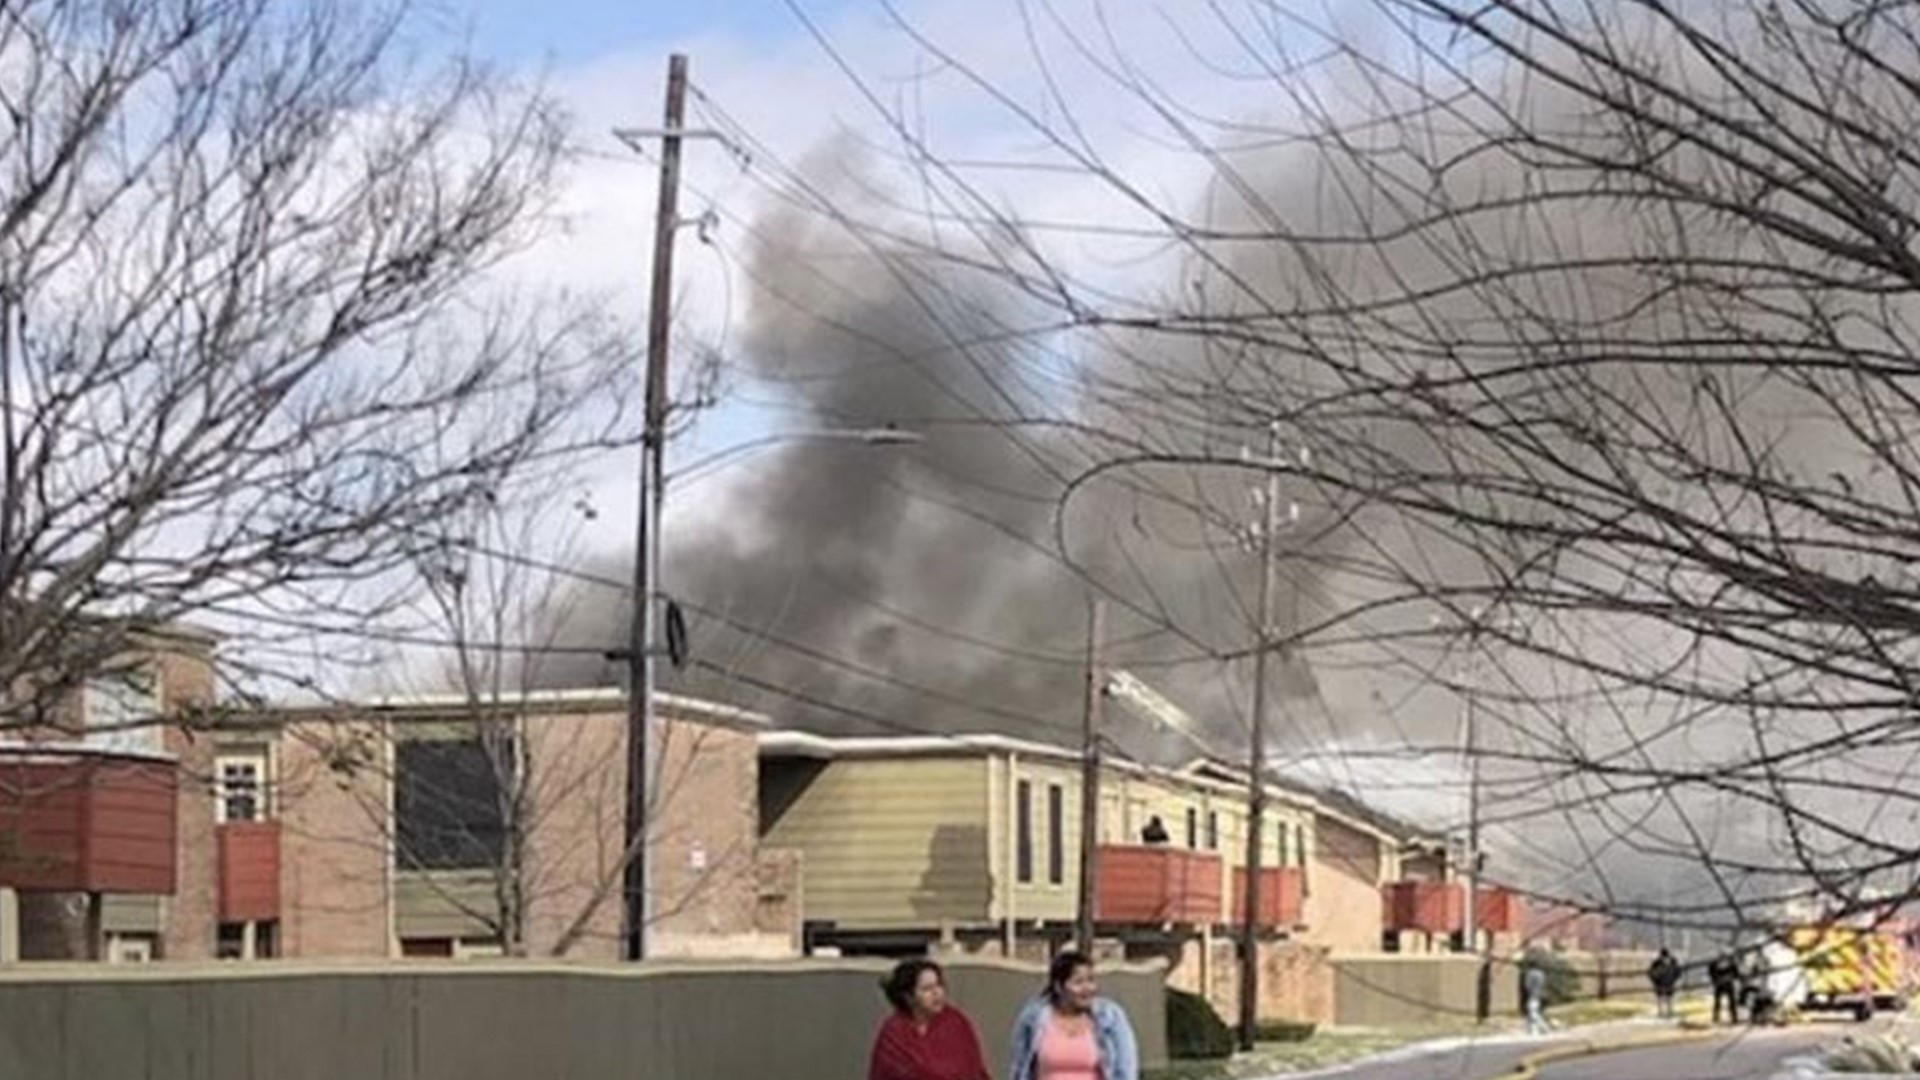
(1836, 967)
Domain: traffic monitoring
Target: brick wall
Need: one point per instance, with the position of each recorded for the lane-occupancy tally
(1342, 909)
(334, 883)
(190, 915)
(1296, 980)
(706, 842)
(576, 777)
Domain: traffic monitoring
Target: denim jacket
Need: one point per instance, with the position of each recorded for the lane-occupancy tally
(1119, 1054)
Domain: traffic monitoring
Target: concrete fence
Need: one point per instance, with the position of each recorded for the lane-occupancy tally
(1391, 989)
(490, 1021)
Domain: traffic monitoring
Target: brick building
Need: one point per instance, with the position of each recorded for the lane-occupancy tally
(439, 827)
(105, 811)
(145, 823)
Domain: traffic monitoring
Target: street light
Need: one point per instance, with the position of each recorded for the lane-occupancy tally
(642, 651)
(878, 436)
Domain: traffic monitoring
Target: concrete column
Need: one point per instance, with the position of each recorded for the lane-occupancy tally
(250, 940)
(96, 931)
(9, 926)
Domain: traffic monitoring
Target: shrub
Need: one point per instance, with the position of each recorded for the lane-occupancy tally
(1194, 1031)
(1563, 983)
(1284, 1031)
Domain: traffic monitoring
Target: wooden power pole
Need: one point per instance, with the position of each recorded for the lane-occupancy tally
(1257, 759)
(1090, 774)
(646, 565)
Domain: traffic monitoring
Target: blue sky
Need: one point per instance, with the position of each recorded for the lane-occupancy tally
(569, 32)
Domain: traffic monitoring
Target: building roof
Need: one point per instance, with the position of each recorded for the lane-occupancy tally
(453, 706)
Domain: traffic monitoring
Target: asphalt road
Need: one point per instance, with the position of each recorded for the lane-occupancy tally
(1752, 1055)
(1741, 1055)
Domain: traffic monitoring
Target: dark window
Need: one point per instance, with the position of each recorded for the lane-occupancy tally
(1193, 828)
(1213, 830)
(1280, 836)
(447, 804)
(1023, 831)
(1056, 835)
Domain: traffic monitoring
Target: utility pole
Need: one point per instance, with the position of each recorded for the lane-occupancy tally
(1090, 773)
(646, 564)
(1257, 757)
(1470, 923)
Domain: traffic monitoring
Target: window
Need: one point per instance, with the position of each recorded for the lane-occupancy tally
(1023, 832)
(1193, 828)
(1213, 830)
(1300, 846)
(447, 803)
(233, 943)
(1281, 832)
(1056, 835)
(121, 712)
(130, 948)
(242, 787)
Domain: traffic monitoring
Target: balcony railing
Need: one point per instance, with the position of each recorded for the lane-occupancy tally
(82, 820)
(1282, 897)
(249, 871)
(1440, 908)
(1157, 885)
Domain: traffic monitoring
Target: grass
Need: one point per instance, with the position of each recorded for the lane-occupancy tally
(1338, 1046)
(1326, 1048)
(1581, 1013)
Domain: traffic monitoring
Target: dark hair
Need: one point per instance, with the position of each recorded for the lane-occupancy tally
(1060, 972)
(904, 979)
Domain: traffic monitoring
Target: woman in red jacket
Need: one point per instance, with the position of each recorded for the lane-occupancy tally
(926, 1038)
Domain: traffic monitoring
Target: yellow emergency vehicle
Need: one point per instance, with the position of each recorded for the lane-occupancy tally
(1848, 969)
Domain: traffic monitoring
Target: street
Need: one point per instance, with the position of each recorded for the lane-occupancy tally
(1748, 1055)
(1742, 1055)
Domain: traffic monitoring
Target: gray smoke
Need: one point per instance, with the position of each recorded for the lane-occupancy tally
(939, 586)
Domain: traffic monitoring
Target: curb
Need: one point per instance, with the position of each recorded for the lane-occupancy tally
(1530, 1066)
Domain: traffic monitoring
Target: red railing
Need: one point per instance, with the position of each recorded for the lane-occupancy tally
(1282, 896)
(1156, 885)
(1440, 908)
(249, 871)
(79, 820)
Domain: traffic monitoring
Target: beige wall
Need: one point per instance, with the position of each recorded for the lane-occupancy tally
(885, 843)
(1386, 991)
(1343, 906)
(493, 1021)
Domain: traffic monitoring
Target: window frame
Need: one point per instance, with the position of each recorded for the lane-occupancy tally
(1056, 834)
(1023, 832)
(261, 763)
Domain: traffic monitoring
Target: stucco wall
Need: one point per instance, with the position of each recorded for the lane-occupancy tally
(794, 1021)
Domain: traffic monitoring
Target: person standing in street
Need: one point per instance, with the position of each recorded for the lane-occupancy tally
(1664, 974)
(1533, 993)
(925, 1038)
(1724, 974)
(1070, 1032)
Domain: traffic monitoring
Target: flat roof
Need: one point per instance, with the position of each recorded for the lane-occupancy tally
(439, 706)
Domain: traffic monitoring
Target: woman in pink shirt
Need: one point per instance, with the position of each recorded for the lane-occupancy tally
(1070, 1032)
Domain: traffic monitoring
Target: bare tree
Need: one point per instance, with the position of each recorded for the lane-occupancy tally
(1597, 322)
(502, 797)
(247, 339)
